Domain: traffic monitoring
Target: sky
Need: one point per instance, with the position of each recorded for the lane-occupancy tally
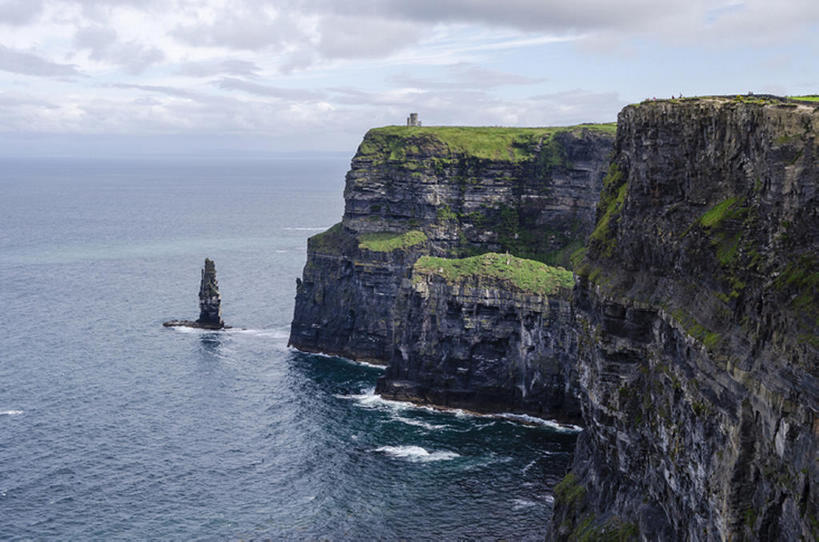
(252, 77)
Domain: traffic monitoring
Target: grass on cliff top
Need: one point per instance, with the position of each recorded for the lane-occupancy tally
(808, 98)
(328, 241)
(527, 275)
(389, 241)
(486, 142)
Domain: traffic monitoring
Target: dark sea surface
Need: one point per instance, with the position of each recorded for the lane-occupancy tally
(113, 427)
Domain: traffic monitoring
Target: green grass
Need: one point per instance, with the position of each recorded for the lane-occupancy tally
(492, 143)
(808, 98)
(526, 275)
(612, 200)
(329, 241)
(718, 213)
(389, 241)
(711, 339)
(569, 490)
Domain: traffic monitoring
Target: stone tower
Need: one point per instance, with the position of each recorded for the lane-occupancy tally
(412, 120)
(210, 301)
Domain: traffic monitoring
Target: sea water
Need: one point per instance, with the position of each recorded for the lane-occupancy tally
(113, 427)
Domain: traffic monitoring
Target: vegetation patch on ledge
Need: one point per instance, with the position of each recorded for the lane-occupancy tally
(603, 239)
(527, 275)
(330, 241)
(389, 241)
(483, 142)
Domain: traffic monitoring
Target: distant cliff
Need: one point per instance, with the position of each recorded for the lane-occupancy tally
(697, 320)
(447, 192)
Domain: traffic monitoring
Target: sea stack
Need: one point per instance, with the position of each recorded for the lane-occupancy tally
(210, 302)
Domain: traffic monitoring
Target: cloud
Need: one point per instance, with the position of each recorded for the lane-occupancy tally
(103, 46)
(243, 26)
(19, 12)
(296, 94)
(227, 66)
(344, 36)
(467, 76)
(15, 61)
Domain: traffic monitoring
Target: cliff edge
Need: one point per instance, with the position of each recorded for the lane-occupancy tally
(696, 305)
(450, 192)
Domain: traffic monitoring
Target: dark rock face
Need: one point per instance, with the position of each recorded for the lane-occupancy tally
(483, 344)
(344, 302)
(534, 198)
(696, 314)
(210, 302)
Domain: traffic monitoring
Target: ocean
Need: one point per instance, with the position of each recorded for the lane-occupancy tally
(113, 427)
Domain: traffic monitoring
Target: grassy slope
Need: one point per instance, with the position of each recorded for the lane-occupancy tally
(387, 242)
(527, 275)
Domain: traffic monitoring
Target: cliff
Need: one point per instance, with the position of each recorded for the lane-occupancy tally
(446, 192)
(696, 308)
(490, 332)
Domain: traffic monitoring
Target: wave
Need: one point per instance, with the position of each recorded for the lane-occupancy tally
(348, 360)
(10, 412)
(369, 399)
(419, 423)
(534, 420)
(518, 504)
(416, 454)
(280, 333)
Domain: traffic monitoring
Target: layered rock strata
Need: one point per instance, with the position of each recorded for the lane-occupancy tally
(442, 191)
(696, 310)
(476, 334)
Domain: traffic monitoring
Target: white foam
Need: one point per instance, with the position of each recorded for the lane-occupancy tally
(369, 399)
(367, 364)
(533, 420)
(10, 412)
(419, 423)
(529, 466)
(517, 504)
(416, 454)
(280, 333)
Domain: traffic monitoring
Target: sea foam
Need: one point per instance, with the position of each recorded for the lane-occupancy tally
(10, 412)
(416, 454)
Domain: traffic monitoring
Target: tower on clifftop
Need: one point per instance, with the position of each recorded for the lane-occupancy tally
(412, 120)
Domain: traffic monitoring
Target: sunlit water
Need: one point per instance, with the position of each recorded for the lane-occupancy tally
(113, 427)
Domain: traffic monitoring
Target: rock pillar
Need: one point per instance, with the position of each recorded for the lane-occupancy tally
(210, 301)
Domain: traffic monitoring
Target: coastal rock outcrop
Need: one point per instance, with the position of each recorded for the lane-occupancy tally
(447, 192)
(210, 302)
(490, 332)
(696, 309)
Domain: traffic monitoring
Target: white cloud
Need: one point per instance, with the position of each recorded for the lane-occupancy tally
(282, 69)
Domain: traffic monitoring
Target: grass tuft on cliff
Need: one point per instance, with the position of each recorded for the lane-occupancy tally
(527, 275)
(389, 241)
(483, 142)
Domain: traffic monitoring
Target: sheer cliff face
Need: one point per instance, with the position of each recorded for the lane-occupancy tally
(483, 342)
(444, 191)
(696, 308)
(531, 192)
